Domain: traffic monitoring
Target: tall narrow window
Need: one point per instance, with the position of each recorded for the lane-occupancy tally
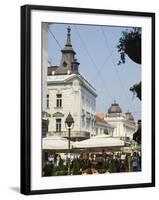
(47, 100)
(59, 100)
(58, 125)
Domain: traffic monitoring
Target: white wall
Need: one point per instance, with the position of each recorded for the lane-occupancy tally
(10, 104)
(122, 128)
(70, 103)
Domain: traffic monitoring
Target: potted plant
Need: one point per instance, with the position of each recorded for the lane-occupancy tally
(130, 44)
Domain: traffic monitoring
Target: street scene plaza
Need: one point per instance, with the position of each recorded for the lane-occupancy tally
(76, 138)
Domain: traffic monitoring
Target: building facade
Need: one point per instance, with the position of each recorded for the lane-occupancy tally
(69, 92)
(123, 123)
(103, 127)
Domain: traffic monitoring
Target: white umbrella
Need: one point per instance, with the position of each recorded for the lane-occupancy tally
(55, 143)
(99, 141)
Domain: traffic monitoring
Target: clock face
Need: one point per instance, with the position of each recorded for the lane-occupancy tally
(75, 85)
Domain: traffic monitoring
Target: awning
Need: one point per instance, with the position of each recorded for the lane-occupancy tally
(55, 143)
(99, 141)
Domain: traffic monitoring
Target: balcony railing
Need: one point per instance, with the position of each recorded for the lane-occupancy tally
(74, 134)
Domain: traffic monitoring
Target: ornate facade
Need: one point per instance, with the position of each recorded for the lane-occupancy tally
(123, 123)
(69, 92)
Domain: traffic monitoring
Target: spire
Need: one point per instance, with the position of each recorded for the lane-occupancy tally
(68, 62)
(68, 42)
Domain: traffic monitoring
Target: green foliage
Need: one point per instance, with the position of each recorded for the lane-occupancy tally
(137, 136)
(126, 162)
(76, 168)
(136, 89)
(112, 166)
(125, 44)
(47, 169)
(60, 170)
(59, 173)
(107, 164)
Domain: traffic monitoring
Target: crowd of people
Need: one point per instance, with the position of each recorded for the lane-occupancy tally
(92, 163)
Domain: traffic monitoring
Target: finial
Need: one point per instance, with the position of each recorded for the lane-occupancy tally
(68, 43)
(68, 29)
(114, 101)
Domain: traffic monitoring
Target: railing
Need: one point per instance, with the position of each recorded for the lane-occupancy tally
(74, 134)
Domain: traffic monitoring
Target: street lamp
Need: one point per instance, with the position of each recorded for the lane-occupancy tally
(69, 123)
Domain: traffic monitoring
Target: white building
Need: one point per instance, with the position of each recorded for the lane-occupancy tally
(69, 92)
(123, 123)
(103, 127)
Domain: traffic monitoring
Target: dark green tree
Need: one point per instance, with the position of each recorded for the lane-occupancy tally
(130, 45)
(60, 170)
(136, 89)
(126, 162)
(112, 166)
(137, 134)
(76, 167)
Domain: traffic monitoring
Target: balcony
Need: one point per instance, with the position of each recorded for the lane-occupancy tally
(74, 134)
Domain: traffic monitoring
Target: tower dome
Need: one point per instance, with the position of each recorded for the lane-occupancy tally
(129, 116)
(114, 108)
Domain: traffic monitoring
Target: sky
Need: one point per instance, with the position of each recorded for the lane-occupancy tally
(96, 50)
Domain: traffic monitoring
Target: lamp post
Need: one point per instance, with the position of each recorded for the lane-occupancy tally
(69, 123)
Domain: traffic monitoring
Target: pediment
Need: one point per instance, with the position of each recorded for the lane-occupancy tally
(58, 114)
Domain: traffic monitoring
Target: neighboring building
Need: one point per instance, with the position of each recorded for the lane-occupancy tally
(102, 127)
(69, 92)
(124, 123)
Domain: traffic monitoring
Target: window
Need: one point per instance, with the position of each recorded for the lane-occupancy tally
(83, 100)
(59, 100)
(88, 123)
(58, 125)
(47, 100)
(106, 131)
(92, 124)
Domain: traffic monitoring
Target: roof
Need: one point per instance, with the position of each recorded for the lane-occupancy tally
(114, 108)
(129, 116)
(100, 115)
(64, 78)
(100, 119)
(60, 78)
(51, 69)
